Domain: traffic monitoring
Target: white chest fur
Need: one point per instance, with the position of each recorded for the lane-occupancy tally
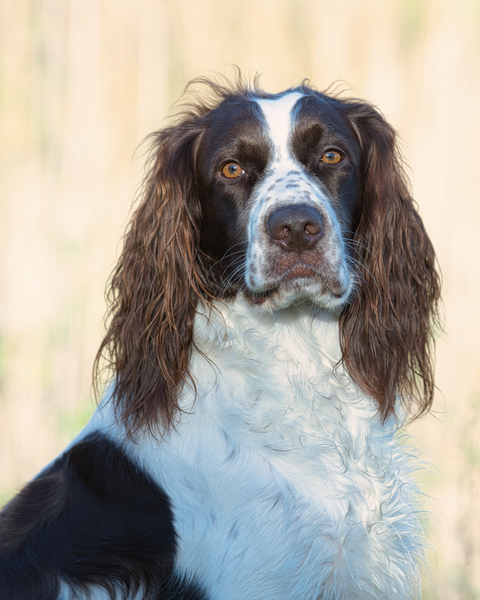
(285, 485)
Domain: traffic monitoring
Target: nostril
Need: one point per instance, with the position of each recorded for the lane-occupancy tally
(281, 234)
(295, 228)
(313, 228)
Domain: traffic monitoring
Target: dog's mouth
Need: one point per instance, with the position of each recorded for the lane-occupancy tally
(300, 283)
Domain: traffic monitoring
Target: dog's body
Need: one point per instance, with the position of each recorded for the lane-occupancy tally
(240, 453)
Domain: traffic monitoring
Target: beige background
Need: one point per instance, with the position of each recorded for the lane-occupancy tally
(83, 81)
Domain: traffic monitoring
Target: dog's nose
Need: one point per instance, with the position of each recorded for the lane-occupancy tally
(295, 228)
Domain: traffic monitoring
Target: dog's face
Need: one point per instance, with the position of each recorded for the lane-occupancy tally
(280, 188)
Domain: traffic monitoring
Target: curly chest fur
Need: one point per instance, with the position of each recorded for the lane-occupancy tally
(281, 473)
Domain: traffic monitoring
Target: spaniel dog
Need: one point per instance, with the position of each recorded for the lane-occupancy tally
(270, 329)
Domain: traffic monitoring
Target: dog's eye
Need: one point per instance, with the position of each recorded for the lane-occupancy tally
(331, 157)
(232, 170)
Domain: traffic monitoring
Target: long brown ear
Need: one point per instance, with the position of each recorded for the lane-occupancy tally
(386, 331)
(156, 286)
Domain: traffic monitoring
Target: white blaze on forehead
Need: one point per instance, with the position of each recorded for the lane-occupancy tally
(278, 115)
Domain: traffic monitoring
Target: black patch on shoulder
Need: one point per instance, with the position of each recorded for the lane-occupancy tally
(92, 518)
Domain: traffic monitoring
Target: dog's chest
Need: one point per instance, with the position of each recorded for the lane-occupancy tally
(283, 513)
(284, 484)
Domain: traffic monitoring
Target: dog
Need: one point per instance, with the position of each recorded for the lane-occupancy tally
(270, 330)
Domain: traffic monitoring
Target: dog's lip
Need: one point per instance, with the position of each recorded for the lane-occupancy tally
(299, 272)
(260, 297)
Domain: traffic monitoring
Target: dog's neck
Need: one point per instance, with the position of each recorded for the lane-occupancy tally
(303, 334)
(273, 371)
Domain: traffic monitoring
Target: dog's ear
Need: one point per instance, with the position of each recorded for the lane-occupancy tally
(386, 330)
(156, 286)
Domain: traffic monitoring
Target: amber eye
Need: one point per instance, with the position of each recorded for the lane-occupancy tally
(332, 157)
(232, 170)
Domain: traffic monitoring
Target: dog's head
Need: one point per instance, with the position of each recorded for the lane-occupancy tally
(285, 198)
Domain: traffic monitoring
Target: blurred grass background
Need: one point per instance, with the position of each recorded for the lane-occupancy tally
(82, 82)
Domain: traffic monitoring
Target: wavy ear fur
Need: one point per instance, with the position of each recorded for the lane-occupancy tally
(155, 288)
(386, 331)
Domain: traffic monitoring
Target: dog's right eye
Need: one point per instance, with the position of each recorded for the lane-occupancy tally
(232, 170)
(331, 157)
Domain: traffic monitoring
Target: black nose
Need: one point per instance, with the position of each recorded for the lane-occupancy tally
(295, 228)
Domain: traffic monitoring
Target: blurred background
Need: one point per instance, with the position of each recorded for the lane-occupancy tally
(82, 82)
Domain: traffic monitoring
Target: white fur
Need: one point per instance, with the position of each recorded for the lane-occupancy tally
(278, 116)
(284, 484)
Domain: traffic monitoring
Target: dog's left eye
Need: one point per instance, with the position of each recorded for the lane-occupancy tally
(331, 157)
(232, 170)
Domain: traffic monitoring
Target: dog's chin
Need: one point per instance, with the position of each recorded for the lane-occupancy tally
(299, 291)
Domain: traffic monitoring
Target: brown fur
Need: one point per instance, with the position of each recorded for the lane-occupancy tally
(386, 331)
